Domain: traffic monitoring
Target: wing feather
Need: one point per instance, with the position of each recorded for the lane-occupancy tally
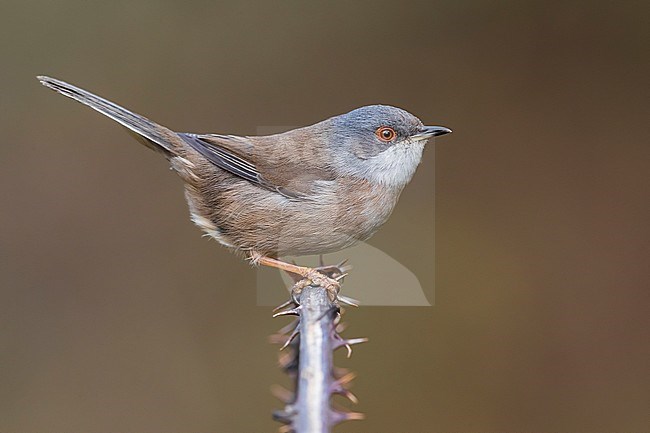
(231, 162)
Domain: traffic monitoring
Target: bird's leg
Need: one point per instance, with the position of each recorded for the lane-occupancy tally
(310, 276)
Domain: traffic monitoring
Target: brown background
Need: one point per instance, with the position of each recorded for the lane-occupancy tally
(116, 316)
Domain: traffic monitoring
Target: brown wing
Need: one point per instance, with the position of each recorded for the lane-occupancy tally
(256, 160)
(217, 153)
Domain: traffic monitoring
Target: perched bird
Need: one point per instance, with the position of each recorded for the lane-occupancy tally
(311, 190)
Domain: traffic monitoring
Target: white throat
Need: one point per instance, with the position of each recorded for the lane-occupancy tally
(396, 165)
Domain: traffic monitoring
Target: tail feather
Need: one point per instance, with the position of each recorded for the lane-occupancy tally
(149, 133)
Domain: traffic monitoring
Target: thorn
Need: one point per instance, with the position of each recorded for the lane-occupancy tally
(343, 267)
(350, 396)
(291, 337)
(341, 342)
(283, 394)
(284, 416)
(291, 312)
(338, 416)
(339, 372)
(348, 301)
(288, 362)
(340, 277)
(289, 328)
(348, 344)
(344, 380)
(354, 416)
(337, 321)
(353, 341)
(283, 305)
(277, 338)
(345, 393)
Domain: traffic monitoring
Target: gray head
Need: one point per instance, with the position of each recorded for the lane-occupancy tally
(381, 143)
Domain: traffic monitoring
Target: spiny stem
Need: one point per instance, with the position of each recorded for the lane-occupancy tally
(310, 342)
(316, 346)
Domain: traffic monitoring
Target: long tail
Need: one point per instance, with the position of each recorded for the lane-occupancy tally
(150, 134)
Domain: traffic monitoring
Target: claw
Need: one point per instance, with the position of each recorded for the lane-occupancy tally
(296, 290)
(332, 293)
(316, 278)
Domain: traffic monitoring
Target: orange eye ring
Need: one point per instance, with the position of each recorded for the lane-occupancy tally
(386, 133)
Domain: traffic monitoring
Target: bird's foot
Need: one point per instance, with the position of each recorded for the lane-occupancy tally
(327, 277)
(313, 277)
(337, 272)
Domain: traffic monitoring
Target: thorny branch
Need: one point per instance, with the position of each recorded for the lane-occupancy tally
(308, 346)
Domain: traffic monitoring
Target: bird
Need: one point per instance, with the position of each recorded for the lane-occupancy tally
(310, 190)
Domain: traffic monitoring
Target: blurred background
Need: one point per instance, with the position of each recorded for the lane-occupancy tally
(116, 316)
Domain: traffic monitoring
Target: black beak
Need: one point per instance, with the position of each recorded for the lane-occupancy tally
(430, 131)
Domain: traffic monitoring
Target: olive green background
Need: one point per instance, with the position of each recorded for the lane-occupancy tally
(116, 316)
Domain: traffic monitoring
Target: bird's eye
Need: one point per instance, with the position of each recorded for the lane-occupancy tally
(386, 133)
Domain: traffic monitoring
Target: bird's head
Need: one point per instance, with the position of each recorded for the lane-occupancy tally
(380, 143)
